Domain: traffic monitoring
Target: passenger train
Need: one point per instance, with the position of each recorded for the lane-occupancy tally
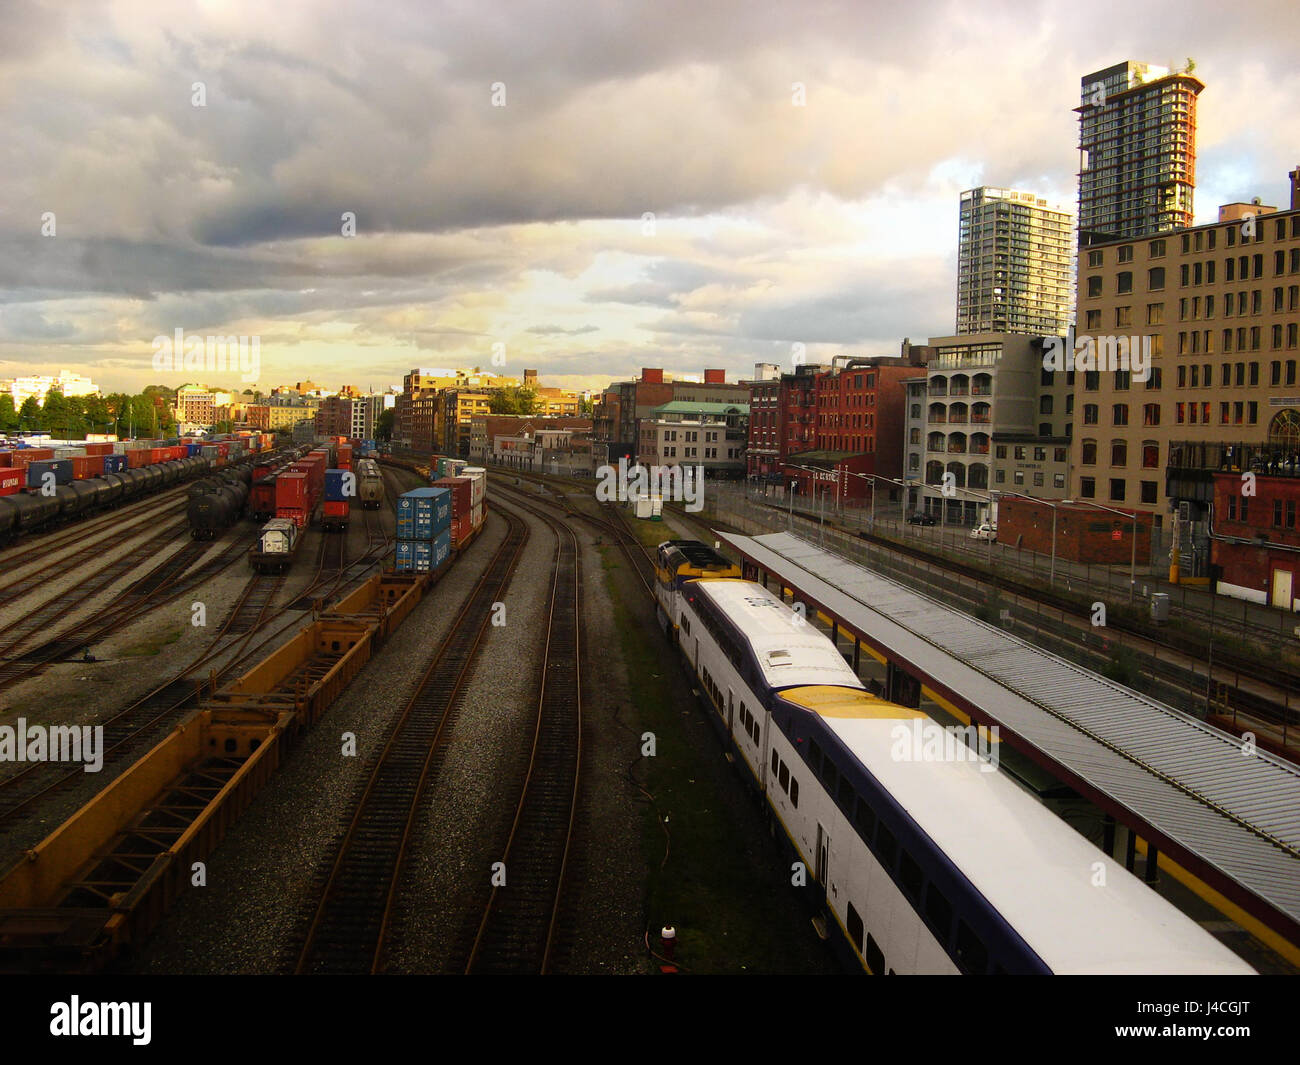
(925, 866)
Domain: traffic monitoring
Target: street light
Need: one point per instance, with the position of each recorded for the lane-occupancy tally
(1132, 566)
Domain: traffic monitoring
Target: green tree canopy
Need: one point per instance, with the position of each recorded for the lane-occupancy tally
(514, 400)
(384, 426)
(30, 416)
(8, 413)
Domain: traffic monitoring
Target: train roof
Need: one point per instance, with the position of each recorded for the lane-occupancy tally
(1031, 866)
(697, 553)
(787, 650)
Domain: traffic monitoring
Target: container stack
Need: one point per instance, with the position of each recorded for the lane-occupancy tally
(340, 487)
(423, 530)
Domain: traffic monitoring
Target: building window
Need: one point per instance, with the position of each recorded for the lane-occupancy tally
(1156, 279)
(1148, 491)
(1117, 490)
(1094, 287)
(1124, 282)
(1088, 487)
(1119, 453)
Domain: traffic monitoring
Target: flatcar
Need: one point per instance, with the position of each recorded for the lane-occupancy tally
(925, 865)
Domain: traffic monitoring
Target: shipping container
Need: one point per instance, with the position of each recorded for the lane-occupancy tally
(6, 459)
(460, 488)
(479, 490)
(12, 481)
(423, 513)
(340, 485)
(69, 453)
(86, 466)
(99, 449)
(335, 514)
(294, 499)
(422, 556)
(277, 537)
(37, 472)
(113, 463)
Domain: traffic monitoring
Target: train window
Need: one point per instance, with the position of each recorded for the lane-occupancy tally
(846, 795)
(939, 912)
(911, 876)
(865, 819)
(886, 846)
(972, 955)
(794, 792)
(783, 776)
(875, 957)
(829, 776)
(815, 757)
(775, 761)
(853, 925)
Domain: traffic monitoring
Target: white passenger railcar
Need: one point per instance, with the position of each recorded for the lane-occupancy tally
(925, 866)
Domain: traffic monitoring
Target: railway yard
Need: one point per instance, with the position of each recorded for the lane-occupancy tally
(332, 766)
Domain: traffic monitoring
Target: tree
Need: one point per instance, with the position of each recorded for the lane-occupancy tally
(514, 401)
(586, 408)
(54, 413)
(8, 414)
(30, 416)
(384, 426)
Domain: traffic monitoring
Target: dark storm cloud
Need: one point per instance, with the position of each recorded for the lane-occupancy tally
(681, 108)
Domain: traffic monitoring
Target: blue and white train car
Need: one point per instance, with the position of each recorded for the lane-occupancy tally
(926, 866)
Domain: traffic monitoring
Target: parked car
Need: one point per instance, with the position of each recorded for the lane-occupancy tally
(921, 518)
(984, 531)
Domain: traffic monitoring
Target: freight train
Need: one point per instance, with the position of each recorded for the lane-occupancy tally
(298, 491)
(926, 865)
(27, 512)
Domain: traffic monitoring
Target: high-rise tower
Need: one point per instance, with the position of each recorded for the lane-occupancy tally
(1137, 151)
(1014, 273)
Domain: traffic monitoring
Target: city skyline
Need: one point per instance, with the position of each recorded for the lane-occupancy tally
(778, 221)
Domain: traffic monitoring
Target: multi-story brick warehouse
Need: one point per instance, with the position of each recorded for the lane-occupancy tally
(1137, 152)
(1220, 308)
(782, 420)
(861, 408)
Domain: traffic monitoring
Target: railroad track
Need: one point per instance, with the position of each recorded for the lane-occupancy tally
(161, 585)
(518, 930)
(126, 730)
(347, 931)
(22, 586)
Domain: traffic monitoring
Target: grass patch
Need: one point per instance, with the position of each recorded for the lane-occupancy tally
(729, 917)
(153, 645)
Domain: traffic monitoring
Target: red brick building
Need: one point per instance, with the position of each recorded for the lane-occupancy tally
(1254, 540)
(623, 405)
(1083, 534)
(782, 420)
(861, 408)
(830, 474)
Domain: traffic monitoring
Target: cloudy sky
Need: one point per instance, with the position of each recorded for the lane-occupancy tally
(650, 194)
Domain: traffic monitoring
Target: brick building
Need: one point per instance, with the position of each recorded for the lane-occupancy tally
(861, 409)
(1083, 534)
(622, 406)
(782, 420)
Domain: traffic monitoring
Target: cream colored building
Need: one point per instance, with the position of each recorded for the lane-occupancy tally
(1220, 305)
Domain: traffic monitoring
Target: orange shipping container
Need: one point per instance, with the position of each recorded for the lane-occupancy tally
(87, 466)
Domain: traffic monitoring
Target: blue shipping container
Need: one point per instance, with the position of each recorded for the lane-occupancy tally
(340, 485)
(423, 513)
(61, 468)
(115, 463)
(192, 450)
(413, 556)
(441, 548)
